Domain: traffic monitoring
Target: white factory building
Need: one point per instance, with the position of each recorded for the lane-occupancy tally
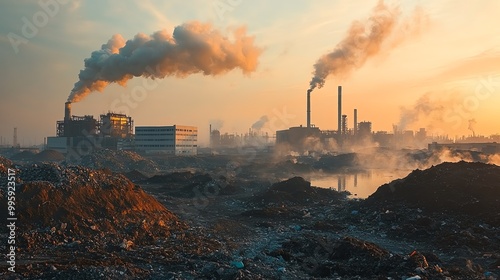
(174, 139)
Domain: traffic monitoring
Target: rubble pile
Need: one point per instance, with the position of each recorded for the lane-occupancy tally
(60, 204)
(190, 184)
(135, 176)
(295, 191)
(326, 257)
(468, 188)
(119, 161)
(80, 223)
(23, 156)
(48, 155)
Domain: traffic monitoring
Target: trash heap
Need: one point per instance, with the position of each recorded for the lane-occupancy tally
(49, 155)
(56, 202)
(23, 156)
(465, 188)
(295, 191)
(118, 161)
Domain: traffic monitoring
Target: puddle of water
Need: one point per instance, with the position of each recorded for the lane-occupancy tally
(360, 185)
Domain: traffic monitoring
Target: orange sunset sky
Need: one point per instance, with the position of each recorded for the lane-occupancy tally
(438, 71)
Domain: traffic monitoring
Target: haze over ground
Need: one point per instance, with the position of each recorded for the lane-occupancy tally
(452, 64)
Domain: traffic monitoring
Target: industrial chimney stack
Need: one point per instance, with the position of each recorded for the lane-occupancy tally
(67, 111)
(308, 108)
(355, 121)
(339, 131)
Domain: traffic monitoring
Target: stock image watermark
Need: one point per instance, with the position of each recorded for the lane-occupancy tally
(11, 220)
(486, 87)
(203, 193)
(31, 26)
(221, 7)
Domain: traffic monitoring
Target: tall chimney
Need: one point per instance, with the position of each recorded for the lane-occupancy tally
(67, 111)
(308, 108)
(355, 121)
(339, 131)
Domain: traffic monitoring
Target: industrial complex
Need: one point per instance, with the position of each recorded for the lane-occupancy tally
(79, 135)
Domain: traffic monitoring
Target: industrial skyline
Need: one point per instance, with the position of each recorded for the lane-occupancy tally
(437, 78)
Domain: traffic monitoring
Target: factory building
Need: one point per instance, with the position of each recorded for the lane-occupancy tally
(298, 138)
(80, 135)
(175, 139)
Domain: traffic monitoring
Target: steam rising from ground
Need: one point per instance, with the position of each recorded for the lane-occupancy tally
(382, 31)
(193, 48)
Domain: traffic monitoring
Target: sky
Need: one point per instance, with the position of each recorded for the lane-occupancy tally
(443, 75)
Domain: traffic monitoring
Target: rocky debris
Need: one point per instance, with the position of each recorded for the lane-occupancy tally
(119, 161)
(109, 228)
(296, 191)
(49, 155)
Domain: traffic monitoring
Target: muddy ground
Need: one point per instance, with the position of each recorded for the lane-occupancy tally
(228, 218)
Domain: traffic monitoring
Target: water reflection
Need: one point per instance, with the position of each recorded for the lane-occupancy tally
(361, 184)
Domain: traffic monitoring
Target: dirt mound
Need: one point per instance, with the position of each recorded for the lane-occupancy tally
(119, 161)
(55, 202)
(49, 155)
(459, 188)
(135, 176)
(334, 163)
(296, 191)
(174, 177)
(24, 155)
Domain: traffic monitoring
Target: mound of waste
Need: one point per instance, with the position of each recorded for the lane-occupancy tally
(135, 176)
(59, 204)
(24, 155)
(469, 188)
(118, 161)
(343, 258)
(49, 155)
(296, 191)
(192, 184)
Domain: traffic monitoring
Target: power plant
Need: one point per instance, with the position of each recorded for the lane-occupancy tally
(300, 138)
(112, 131)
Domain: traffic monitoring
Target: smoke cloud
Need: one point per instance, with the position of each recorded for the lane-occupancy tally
(472, 124)
(193, 48)
(260, 123)
(216, 124)
(365, 40)
(425, 108)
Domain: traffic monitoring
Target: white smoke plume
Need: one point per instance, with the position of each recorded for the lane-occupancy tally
(363, 40)
(260, 123)
(193, 48)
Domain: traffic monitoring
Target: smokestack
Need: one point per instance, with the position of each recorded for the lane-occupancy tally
(308, 108)
(67, 111)
(340, 110)
(355, 121)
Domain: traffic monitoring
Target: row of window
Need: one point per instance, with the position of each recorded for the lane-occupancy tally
(155, 146)
(154, 140)
(164, 134)
(165, 146)
(138, 129)
(154, 134)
